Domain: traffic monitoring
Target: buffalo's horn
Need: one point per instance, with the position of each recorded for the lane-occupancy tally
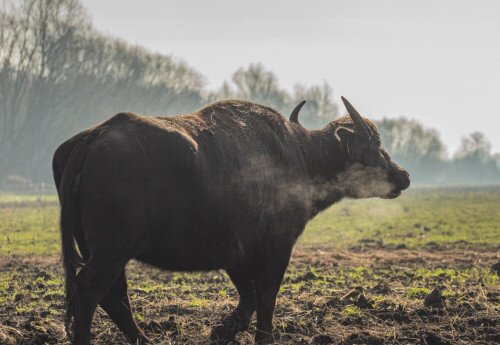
(356, 118)
(294, 116)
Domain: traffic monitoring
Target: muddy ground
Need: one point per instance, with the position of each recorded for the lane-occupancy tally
(329, 296)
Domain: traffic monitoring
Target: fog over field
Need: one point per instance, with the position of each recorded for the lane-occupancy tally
(60, 75)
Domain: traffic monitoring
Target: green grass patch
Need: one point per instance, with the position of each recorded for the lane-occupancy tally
(12, 198)
(421, 217)
(464, 217)
(29, 230)
(351, 311)
(418, 292)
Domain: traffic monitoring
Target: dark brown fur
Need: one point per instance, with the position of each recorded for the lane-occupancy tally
(231, 187)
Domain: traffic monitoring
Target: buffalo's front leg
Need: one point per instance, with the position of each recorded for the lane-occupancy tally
(267, 285)
(239, 319)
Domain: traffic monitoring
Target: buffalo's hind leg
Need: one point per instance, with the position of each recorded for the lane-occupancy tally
(239, 319)
(93, 283)
(117, 305)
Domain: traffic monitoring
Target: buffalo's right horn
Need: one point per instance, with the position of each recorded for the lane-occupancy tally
(294, 116)
(356, 118)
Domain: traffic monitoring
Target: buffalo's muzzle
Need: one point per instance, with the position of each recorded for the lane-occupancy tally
(400, 178)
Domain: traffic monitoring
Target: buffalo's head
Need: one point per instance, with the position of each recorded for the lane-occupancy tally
(370, 171)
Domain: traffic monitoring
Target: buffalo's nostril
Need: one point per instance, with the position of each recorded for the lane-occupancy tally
(400, 178)
(404, 180)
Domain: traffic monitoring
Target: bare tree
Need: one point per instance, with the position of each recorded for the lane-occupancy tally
(256, 84)
(410, 141)
(475, 147)
(57, 75)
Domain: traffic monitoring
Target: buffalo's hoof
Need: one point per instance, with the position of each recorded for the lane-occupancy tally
(264, 338)
(223, 334)
(227, 330)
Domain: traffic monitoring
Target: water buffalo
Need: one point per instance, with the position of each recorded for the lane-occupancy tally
(230, 187)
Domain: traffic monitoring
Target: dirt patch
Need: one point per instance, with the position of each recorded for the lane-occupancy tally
(375, 296)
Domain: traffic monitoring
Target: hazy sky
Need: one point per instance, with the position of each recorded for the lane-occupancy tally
(435, 61)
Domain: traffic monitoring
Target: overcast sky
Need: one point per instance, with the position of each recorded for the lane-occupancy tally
(435, 61)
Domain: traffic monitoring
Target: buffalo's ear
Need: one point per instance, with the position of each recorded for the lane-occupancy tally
(342, 134)
(344, 137)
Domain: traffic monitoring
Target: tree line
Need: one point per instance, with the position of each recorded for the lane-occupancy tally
(422, 152)
(59, 75)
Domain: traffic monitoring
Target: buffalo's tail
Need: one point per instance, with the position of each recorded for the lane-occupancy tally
(70, 223)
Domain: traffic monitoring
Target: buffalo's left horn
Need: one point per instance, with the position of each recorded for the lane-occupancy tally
(356, 118)
(294, 116)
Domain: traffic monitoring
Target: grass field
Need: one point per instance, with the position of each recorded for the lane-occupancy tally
(463, 217)
(359, 275)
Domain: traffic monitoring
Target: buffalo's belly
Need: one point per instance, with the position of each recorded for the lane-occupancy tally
(182, 260)
(198, 248)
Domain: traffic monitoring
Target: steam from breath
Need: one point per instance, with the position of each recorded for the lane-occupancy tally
(364, 182)
(266, 186)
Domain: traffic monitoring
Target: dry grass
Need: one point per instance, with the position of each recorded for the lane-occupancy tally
(329, 296)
